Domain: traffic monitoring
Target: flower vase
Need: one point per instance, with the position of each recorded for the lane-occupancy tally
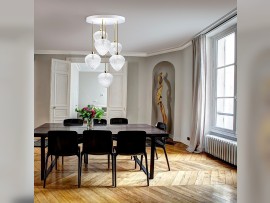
(89, 124)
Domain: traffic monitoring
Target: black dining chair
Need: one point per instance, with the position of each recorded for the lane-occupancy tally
(73, 122)
(131, 143)
(98, 142)
(160, 142)
(63, 143)
(100, 121)
(117, 121)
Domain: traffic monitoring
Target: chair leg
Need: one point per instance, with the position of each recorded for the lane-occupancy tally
(166, 157)
(141, 162)
(86, 158)
(112, 170)
(79, 170)
(135, 162)
(156, 153)
(45, 171)
(81, 157)
(146, 166)
(109, 161)
(56, 158)
(114, 157)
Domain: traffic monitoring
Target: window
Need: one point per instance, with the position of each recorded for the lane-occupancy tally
(224, 82)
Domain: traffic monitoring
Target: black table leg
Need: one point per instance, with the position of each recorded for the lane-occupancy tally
(42, 157)
(152, 158)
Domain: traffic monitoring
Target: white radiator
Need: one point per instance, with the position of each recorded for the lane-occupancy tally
(221, 148)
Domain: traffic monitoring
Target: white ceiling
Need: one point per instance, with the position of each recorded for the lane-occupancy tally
(151, 25)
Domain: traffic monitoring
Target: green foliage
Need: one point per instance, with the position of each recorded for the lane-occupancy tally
(89, 112)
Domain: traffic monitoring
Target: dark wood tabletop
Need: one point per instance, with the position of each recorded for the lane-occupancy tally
(151, 131)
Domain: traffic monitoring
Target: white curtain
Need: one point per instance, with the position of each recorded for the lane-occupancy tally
(198, 95)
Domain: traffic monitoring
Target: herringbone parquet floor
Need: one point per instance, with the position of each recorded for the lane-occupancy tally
(193, 178)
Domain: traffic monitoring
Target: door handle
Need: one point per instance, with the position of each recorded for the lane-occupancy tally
(54, 107)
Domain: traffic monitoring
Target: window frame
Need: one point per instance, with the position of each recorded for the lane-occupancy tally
(214, 67)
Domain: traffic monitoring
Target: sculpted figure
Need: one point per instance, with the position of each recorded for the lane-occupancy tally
(159, 98)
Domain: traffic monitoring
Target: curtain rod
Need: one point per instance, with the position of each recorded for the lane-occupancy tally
(232, 14)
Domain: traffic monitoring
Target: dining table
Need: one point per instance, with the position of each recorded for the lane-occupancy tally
(151, 132)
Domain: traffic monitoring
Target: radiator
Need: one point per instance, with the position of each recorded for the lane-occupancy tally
(221, 148)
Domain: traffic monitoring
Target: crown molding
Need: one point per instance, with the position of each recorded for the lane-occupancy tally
(61, 52)
(134, 54)
(173, 49)
(83, 53)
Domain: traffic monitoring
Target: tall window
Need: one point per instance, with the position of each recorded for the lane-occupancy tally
(224, 82)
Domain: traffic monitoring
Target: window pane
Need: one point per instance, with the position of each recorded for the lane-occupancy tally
(228, 122)
(225, 105)
(223, 121)
(229, 49)
(221, 52)
(220, 82)
(229, 81)
(220, 105)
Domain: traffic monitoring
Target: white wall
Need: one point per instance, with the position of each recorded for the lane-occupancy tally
(182, 61)
(42, 75)
(90, 91)
(134, 89)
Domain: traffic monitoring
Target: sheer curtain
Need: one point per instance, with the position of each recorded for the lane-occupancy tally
(198, 95)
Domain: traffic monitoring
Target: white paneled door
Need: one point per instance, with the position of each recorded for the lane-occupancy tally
(117, 94)
(60, 90)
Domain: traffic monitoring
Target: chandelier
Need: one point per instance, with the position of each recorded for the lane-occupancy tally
(103, 46)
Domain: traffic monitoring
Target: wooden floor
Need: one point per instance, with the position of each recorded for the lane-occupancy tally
(193, 178)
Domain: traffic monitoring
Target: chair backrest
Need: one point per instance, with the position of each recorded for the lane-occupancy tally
(73, 122)
(63, 143)
(131, 142)
(161, 126)
(118, 121)
(100, 121)
(97, 142)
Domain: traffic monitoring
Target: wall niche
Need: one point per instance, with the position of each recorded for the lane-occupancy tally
(163, 95)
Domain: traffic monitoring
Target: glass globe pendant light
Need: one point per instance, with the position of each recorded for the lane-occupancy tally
(113, 48)
(102, 45)
(117, 61)
(98, 34)
(105, 79)
(92, 60)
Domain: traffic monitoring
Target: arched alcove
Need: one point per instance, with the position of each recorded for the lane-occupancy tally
(163, 94)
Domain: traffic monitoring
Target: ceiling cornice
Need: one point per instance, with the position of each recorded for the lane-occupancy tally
(164, 51)
(63, 52)
(134, 54)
